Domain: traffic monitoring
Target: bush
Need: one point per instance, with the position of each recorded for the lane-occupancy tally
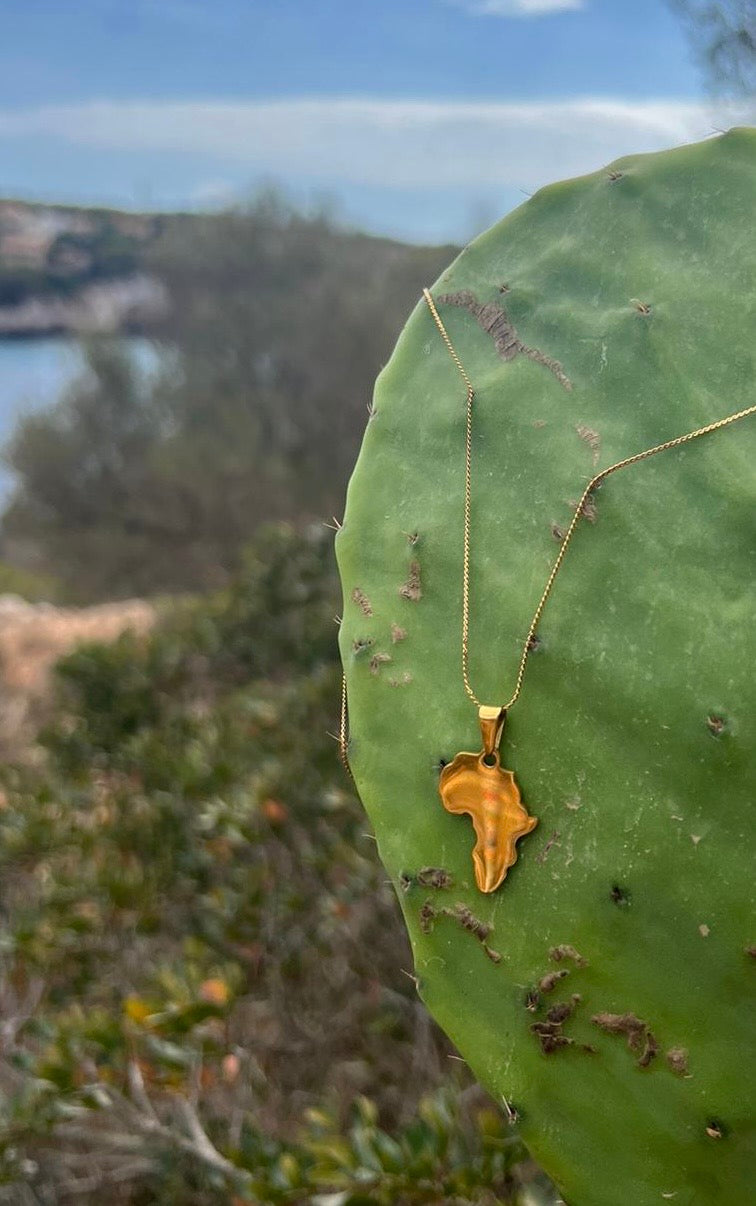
(203, 968)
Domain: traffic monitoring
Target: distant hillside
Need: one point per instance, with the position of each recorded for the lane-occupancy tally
(73, 270)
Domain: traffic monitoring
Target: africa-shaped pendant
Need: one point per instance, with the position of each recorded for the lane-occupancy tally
(477, 784)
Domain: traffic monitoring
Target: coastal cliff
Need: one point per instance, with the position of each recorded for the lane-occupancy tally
(68, 270)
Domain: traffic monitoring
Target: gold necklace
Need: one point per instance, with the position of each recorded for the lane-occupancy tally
(476, 783)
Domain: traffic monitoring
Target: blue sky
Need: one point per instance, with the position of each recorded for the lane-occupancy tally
(425, 119)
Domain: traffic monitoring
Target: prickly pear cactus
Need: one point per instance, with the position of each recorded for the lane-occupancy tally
(602, 990)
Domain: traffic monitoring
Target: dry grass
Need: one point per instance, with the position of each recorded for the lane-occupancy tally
(33, 636)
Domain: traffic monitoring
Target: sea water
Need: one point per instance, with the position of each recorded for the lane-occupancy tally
(34, 374)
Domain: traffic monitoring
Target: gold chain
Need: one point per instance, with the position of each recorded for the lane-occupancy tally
(343, 726)
(592, 484)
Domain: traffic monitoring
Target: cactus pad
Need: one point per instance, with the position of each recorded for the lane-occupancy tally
(602, 989)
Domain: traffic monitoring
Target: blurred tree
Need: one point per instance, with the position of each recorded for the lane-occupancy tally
(283, 322)
(80, 510)
(723, 35)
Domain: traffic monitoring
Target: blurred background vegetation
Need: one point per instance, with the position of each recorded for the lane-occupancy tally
(205, 986)
(277, 327)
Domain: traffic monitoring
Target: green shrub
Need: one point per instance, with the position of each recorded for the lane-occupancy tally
(200, 959)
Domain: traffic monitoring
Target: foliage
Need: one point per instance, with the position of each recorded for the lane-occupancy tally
(617, 1016)
(275, 619)
(723, 34)
(201, 959)
(25, 584)
(84, 468)
(279, 324)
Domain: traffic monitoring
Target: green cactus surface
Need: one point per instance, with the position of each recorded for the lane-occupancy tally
(601, 993)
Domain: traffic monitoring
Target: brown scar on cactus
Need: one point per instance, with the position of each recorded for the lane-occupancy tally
(592, 439)
(558, 532)
(550, 1033)
(550, 1037)
(466, 918)
(620, 896)
(613, 176)
(411, 589)
(360, 644)
(377, 660)
(640, 306)
(715, 1129)
(468, 921)
(677, 1058)
(565, 951)
(404, 681)
(553, 841)
(496, 322)
(549, 982)
(716, 724)
(359, 597)
(397, 634)
(435, 877)
(563, 1009)
(427, 877)
(640, 1040)
(427, 915)
(621, 1023)
(588, 509)
(650, 1050)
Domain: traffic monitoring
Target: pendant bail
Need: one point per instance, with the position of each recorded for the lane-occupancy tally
(492, 721)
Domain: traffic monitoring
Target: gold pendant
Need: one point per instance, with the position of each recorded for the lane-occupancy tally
(477, 784)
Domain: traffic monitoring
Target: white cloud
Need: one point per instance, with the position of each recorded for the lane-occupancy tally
(517, 8)
(214, 192)
(376, 142)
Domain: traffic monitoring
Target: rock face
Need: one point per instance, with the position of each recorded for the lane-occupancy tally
(606, 315)
(33, 636)
(74, 271)
(101, 308)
